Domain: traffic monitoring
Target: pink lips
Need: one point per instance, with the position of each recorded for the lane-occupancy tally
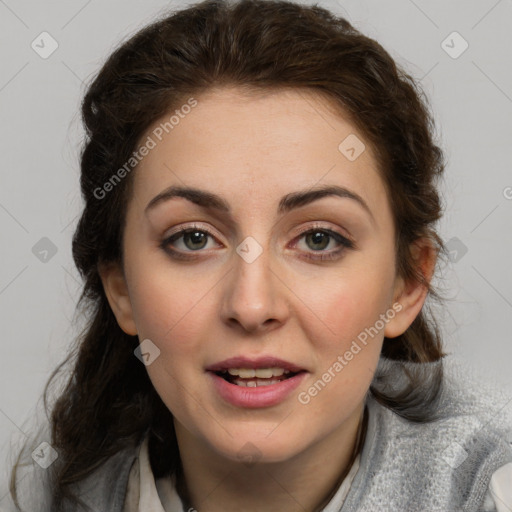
(260, 362)
(255, 397)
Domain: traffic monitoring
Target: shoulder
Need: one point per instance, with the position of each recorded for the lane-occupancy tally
(103, 489)
(468, 405)
(474, 422)
(446, 464)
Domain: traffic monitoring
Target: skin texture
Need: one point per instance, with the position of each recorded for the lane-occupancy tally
(252, 149)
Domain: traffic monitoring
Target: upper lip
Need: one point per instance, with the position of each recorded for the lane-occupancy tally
(260, 362)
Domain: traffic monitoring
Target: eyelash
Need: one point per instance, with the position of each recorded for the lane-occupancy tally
(343, 241)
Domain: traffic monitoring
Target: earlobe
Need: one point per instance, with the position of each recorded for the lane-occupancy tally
(411, 294)
(116, 290)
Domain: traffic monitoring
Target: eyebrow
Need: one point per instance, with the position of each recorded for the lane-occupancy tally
(291, 201)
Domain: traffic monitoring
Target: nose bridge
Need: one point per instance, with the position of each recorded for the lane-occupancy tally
(253, 295)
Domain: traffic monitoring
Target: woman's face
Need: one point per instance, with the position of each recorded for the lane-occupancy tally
(270, 276)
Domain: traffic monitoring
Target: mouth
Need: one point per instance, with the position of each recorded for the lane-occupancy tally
(254, 383)
(253, 378)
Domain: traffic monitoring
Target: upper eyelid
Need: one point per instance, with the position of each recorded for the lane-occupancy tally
(193, 226)
(302, 231)
(317, 225)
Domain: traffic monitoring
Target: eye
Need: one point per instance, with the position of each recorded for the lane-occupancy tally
(192, 239)
(319, 238)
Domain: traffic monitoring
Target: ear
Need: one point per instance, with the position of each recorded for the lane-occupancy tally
(410, 294)
(116, 290)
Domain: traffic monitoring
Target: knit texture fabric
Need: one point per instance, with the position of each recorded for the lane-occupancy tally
(434, 467)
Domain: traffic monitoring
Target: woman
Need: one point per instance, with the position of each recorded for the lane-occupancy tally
(258, 242)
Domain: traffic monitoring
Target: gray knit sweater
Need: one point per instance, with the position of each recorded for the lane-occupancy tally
(443, 466)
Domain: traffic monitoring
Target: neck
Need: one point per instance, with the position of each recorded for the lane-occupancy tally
(305, 483)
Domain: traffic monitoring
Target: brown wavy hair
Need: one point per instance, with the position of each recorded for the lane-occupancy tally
(108, 402)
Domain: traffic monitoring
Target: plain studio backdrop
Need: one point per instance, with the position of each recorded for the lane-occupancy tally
(460, 51)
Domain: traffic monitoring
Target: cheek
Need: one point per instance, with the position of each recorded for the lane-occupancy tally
(175, 310)
(166, 302)
(348, 340)
(347, 346)
(169, 310)
(352, 348)
(349, 304)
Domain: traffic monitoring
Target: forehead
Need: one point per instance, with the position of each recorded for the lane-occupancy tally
(255, 146)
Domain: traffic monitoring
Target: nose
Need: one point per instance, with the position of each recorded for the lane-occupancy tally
(254, 296)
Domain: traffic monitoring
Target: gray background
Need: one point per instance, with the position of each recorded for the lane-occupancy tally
(40, 133)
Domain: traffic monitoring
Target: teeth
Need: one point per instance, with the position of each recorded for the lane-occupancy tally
(255, 383)
(244, 373)
(261, 373)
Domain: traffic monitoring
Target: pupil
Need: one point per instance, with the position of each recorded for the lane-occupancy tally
(194, 237)
(317, 238)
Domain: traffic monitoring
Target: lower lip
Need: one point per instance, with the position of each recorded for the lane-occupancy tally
(260, 396)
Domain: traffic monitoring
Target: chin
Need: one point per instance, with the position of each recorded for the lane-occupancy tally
(261, 448)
